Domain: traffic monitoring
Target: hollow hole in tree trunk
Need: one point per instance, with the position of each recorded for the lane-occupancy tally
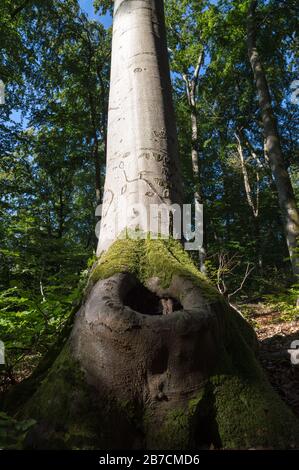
(142, 300)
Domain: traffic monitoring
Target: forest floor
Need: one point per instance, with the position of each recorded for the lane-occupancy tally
(275, 337)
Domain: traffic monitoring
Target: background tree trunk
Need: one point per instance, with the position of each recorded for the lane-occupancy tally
(191, 91)
(273, 149)
(252, 199)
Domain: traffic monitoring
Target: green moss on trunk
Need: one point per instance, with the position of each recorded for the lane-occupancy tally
(235, 408)
(62, 408)
(148, 258)
(72, 415)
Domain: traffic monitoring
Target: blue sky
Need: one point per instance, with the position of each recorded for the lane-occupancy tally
(87, 7)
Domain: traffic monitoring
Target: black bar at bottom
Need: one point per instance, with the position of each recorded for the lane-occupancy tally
(137, 459)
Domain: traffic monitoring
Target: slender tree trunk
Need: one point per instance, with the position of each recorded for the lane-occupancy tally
(273, 149)
(198, 195)
(104, 109)
(191, 91)
(97, 163)
(95, 150)
(253, 202)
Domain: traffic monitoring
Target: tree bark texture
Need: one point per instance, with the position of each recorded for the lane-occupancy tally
(142, 148)
(191, 92)
(273, 148)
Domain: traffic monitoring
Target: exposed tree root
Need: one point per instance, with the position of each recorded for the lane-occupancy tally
(132, 376)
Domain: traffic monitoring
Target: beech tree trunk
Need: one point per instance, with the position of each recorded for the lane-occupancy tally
(273, 149)
(156, 359)
(142, 148)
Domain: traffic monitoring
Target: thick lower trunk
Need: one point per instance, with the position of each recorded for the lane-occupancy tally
(136, 375)
(273, 149)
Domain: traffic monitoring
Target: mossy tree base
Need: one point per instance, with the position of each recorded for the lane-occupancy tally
(130, 379)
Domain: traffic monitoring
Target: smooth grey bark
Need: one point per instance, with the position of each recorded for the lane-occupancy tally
(253, 200)
(254, 205)
(273, 148)
(154, 360)
(142, 148)
(191, 91)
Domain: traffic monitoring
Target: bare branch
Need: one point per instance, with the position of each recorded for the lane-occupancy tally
(188, 88)
(199, 64)
(247, 273)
